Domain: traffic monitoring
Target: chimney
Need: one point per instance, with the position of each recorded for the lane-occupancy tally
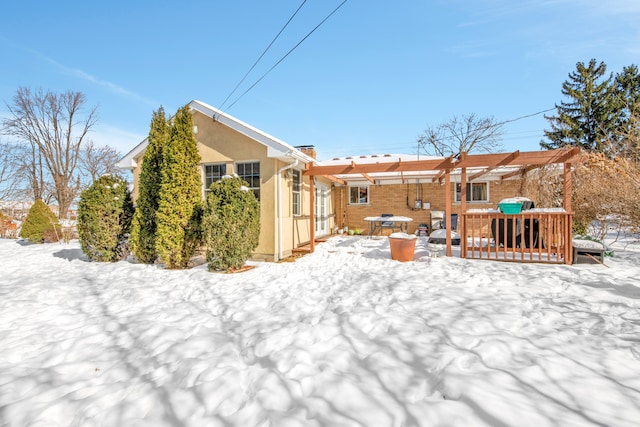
(309, 150)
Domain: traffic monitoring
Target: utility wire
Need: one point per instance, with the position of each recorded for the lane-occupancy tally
(494, 125)
(288, 53)
(263, 53)
(527, 116)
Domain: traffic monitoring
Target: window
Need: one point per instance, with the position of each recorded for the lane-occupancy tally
(296, 196)
(250, 172)
(476, 192)
(213, 173)
(359, 195)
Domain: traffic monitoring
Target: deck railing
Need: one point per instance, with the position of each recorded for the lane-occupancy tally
(531, 236)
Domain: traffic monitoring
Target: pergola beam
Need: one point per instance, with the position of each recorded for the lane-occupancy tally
(517, 158)
(335, 179)
(438, 177)
(537, 158)
(368, 178)
(359, 169)
(520, 171)
(507, 159)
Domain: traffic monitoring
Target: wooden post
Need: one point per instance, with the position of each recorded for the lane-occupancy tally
(463, 211)
(567, 189)
(447, 209)
(312, 213)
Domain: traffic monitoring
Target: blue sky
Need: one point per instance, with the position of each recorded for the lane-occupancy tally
(368, 81)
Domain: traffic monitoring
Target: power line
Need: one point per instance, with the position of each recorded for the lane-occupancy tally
(527, 116)
(495, 125)
(260, 57)
(288, 53)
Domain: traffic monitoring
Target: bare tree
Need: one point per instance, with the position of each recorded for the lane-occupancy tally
(7, 171)
(468, 133)
(95, 161)
(20, 175)
(30, 179)
(55, 126)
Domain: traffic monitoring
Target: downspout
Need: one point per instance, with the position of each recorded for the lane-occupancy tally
(282, 169)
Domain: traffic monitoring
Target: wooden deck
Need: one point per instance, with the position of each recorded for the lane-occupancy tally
(531, 236)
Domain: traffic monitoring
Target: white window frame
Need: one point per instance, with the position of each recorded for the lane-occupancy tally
(458, 191)
(296, 192)
(360, 188)
(204, 174)
(256, 190)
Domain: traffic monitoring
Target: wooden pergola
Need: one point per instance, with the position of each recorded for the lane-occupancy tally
(519, 163)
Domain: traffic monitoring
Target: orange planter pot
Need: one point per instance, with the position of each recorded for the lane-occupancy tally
(402, 249)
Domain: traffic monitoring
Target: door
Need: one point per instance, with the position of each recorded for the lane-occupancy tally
(322, 210)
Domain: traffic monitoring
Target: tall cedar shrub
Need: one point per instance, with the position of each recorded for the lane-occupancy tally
(179, 194)
(143, 228)
(40, 220)
(231, 224)
(105, 212)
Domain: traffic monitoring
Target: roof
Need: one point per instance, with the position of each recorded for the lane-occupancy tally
(276, 148)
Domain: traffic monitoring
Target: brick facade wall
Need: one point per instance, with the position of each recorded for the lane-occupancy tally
(400, 200)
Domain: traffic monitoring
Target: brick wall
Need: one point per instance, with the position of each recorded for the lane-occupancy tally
(400, 199)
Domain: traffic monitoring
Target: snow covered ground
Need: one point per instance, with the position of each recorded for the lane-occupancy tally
(341, 337)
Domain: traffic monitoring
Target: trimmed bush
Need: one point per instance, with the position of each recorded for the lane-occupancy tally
(143, 228)
(231, 224)
(105, 212)
(179, 194)
(40, 220)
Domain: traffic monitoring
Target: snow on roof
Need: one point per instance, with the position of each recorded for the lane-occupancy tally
(375, 158)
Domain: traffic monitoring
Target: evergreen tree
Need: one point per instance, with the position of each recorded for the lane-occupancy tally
(143, 229)
(231, 224)
(40, 221)
(179, 194)
(589, 119)
(627, 85)
(105, 211)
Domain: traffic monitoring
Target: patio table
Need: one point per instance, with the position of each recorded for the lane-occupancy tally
(375, 223)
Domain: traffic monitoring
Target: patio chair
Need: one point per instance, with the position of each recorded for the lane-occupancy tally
(437, 220)
(387, 224)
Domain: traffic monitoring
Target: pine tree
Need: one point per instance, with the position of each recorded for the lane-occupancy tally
(105, 211)
(590, 118)
(231, 224)
(179, 194)
(40, 221)
(627, 85)
(143, 229)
